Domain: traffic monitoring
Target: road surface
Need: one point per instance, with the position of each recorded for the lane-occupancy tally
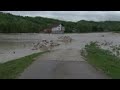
(62, 64)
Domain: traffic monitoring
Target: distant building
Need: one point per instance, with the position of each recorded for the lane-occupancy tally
(55, 29)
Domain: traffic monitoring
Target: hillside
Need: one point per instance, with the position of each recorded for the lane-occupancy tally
(18, 24)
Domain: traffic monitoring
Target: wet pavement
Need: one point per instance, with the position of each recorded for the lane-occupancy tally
(62, 70)
(61, 64)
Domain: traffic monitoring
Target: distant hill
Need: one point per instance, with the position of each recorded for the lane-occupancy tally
(18, 24)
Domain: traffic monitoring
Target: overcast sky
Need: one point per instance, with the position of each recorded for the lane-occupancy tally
(73, 15)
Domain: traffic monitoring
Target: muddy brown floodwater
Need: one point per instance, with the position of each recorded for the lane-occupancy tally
(13, 46)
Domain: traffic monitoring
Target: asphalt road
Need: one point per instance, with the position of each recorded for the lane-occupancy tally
(62, 64)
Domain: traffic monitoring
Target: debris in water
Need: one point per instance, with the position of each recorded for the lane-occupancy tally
(14, 52)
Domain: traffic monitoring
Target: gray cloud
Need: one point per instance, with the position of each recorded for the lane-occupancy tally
(72, 15)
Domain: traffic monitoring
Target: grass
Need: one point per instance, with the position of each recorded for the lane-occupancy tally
(12, 69)
(102, 59)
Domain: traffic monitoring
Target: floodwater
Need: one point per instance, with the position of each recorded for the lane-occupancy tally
(13, 46)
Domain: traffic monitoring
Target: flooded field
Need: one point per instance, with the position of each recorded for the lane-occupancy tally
(13, 46)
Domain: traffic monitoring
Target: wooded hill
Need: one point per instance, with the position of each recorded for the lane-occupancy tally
(23, 24)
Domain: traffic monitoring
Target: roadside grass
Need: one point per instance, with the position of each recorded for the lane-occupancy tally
(102, 59)
(12, 69)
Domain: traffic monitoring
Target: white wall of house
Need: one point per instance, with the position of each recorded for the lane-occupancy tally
(58, 29)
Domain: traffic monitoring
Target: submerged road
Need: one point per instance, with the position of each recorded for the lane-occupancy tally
(61, 64)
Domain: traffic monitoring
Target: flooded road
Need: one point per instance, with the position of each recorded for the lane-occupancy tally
(62, 62)
(13, 46)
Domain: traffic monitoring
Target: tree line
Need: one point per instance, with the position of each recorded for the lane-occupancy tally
(23, 24)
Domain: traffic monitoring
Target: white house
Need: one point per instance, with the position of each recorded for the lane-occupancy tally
(55, 29)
